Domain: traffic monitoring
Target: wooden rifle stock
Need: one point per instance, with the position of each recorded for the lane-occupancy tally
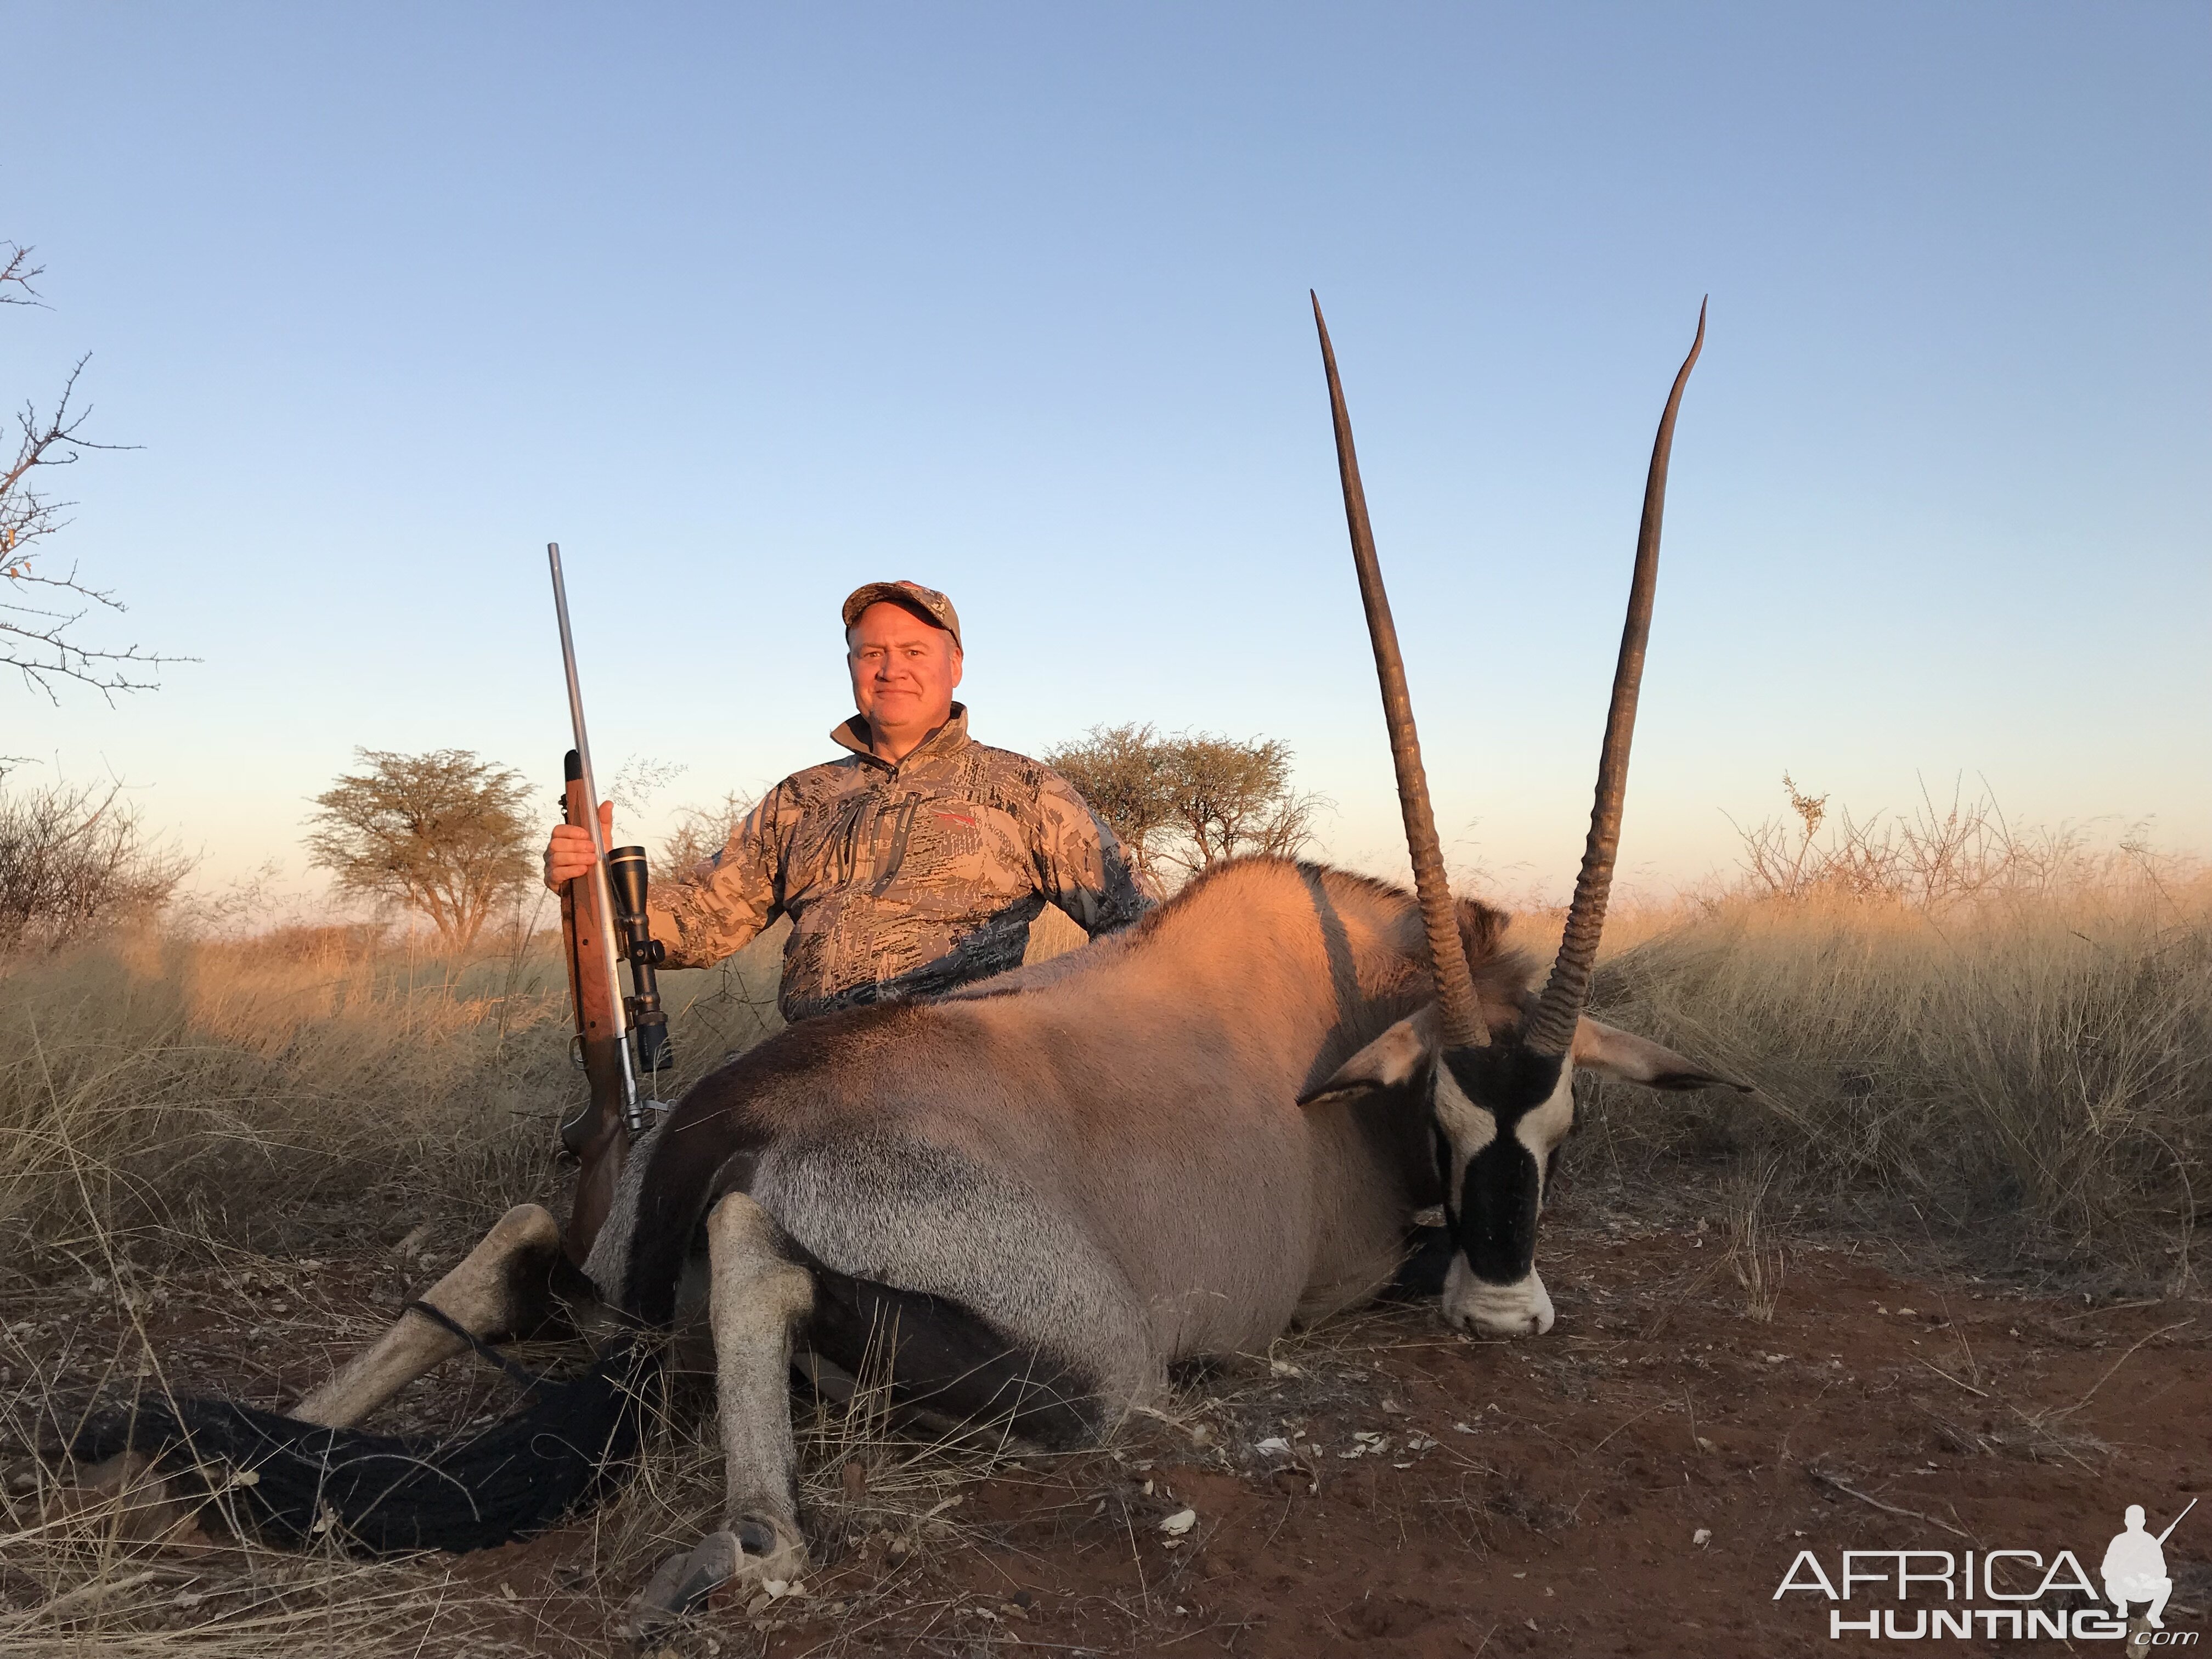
(595, 998)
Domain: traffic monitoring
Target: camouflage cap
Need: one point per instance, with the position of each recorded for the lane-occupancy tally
(925, 603)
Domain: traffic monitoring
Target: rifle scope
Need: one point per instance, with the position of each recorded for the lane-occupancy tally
(626, 875)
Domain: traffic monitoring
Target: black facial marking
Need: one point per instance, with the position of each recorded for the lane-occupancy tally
(1494, 1222)
(1505, 1080)
(1497, 1223)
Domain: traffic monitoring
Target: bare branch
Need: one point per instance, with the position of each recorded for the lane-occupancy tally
(702, 832)
(38, 641)
(1938, 857)
(17, 273)
(74, 860)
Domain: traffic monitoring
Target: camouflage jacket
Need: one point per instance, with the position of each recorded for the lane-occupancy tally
(900, 880)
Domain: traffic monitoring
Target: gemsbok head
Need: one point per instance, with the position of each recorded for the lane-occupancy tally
(1499, 1081)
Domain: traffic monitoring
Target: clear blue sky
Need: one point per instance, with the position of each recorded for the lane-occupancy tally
(745, 306)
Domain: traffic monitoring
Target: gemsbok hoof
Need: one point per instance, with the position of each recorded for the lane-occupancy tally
(759, 1554)
(681, 1584)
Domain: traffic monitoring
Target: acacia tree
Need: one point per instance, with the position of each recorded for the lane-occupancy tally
(1235, 797)
(443, 833)
(41, 607)
(1181, 803)
(1123, 772)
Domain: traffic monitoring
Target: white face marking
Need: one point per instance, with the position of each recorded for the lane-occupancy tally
(1467, 1127)
(1541, 1130)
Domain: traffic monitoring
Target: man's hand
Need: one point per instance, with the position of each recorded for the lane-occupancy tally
(569, 854)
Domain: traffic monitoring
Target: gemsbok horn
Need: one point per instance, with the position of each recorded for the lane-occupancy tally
(1551, 1029)
(1457, 1008)
(1499, 1081)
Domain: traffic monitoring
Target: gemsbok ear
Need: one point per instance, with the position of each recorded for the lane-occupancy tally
(1613, 1053)
(1395, 1058)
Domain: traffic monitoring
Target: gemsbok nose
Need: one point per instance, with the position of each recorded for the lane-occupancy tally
(1481, 1310)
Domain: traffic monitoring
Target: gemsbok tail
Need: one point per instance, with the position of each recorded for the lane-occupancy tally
(291, 1480)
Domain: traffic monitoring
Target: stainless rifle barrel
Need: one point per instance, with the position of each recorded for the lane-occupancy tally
(603, 898)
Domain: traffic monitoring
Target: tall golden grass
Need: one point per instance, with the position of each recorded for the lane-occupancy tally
(223, 1087)
(2035, 1062)
(2028, 1066)
(192, 1115)
(2032, 1067)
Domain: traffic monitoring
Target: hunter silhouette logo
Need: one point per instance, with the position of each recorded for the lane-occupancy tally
(2029, 1594)
(2134, 1566)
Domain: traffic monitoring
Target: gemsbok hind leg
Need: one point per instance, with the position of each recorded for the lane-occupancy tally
(499, 1290)
(757, 1298)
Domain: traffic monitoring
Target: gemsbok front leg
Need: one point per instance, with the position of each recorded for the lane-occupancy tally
(500, 1289)
(757, 1298)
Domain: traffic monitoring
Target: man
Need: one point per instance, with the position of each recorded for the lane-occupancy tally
(915, 864)
(2135, 1568)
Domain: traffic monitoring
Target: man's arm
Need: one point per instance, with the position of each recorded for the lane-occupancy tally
(1080, 866)
(699, 916)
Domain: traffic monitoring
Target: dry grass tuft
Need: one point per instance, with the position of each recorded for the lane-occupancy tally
(1756, 1258)
(127, 1571)
(2033, 1067)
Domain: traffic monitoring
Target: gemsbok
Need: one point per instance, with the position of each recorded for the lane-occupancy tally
(1026, 1200)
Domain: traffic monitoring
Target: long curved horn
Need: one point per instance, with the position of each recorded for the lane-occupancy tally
(1463, 1024)
(1551, 1029)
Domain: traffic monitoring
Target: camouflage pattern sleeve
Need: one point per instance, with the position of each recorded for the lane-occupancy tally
(703, 914)
(1080, 866)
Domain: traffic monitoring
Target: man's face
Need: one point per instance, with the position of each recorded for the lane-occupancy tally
(904, 671)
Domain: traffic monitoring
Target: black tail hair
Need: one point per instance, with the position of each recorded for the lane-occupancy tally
(393, 1492)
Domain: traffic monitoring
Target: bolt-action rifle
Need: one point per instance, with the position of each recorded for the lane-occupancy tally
(602, 921)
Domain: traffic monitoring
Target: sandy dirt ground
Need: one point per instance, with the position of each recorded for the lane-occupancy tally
(1638, 1482)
